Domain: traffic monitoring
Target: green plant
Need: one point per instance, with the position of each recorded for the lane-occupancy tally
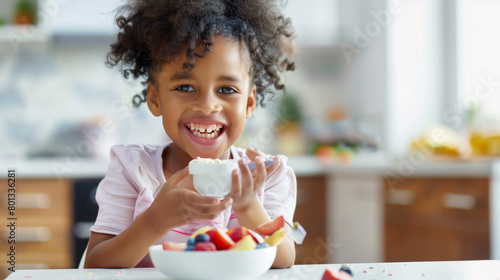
(290, 109)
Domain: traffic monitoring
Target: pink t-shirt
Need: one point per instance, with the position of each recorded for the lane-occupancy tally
(135, 177)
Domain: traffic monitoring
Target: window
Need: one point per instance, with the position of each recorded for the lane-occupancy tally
(478, 40)
(443, 68)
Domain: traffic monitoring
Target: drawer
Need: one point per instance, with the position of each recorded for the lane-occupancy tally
(43, 225)
(437, 219)
(49, 197)
(466, 199)
(453, 202)
(410, 201)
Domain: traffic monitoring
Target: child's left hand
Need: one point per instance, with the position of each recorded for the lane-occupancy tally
(244, 191)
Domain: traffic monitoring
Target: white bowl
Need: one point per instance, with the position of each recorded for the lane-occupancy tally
(235, 265)
(212, 179)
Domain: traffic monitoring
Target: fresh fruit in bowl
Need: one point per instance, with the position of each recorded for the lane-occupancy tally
(241, 238)
(220, 264)
(239, 253)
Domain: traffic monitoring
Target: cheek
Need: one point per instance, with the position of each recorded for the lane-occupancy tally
(238, 112)
(170, 117)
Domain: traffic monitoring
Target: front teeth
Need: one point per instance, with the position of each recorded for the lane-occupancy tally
(211, 132)
(206, 135)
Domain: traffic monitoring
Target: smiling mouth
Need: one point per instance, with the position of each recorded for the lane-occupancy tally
(206, 131)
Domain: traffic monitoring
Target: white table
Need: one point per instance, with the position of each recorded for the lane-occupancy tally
(460, 270)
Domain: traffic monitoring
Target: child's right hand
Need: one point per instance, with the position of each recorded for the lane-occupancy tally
(178, 203)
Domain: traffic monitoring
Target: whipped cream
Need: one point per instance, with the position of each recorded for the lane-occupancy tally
(211, 161)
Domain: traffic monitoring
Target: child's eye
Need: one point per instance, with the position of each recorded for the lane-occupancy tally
(184, 88)
(226, 90)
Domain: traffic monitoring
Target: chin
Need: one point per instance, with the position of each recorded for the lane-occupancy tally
(206, 154)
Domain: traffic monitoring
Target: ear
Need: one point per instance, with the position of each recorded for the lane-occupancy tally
(153, 100)
(251, 101)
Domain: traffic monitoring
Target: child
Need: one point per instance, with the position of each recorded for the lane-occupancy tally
(206, 62)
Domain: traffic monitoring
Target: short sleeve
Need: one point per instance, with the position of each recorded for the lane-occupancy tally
(116, 196)
(280, 192)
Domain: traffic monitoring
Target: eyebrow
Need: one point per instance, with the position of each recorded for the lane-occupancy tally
(177, 76)
(188, 76)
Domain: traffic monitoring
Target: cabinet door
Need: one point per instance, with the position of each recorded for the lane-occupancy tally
(310, 213)
(436, 219)
(42, 223)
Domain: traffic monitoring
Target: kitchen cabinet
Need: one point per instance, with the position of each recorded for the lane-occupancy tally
(310, 212)
(43, 220)
(430, 219)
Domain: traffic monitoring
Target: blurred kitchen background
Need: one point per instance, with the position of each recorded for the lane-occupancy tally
(391, 122)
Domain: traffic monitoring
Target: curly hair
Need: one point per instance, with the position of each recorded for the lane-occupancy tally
(152, 32)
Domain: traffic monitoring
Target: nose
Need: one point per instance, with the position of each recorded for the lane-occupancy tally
(207, 103)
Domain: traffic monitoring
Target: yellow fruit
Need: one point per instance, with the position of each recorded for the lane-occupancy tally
(276, 238)
(173, 246)
(246, 243)
(200, 231)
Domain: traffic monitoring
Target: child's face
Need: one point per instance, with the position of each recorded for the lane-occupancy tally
(204, 110)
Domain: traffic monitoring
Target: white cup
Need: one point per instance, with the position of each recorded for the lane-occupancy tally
(214, 178)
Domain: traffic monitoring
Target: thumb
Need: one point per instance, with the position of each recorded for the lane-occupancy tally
(175, 179)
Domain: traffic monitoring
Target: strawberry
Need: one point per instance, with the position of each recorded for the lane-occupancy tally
(336, 275)
(205, 246)
(238, 233)
(270, 227)
(221, 240)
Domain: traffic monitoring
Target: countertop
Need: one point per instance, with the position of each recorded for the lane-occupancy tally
(460, 270)
(369, 164)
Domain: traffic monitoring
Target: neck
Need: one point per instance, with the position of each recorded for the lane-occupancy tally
(174, 158)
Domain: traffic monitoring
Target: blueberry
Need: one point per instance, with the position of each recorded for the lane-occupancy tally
(346, 269)
(262, 245)
(190, 242)
(202, 238)
(189, 248)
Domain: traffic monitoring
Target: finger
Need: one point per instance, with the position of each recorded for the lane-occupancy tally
(226, 202)
(208, 211)
(190, 214)
(246, 178)
(194, 198)
(271, 168)
(252, 153)
(235, 184)
(261, 175)
(187, 183)
(178, 176)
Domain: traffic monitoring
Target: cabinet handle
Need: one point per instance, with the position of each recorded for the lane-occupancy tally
(33, 234)
(459, 201)
(401, 197)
